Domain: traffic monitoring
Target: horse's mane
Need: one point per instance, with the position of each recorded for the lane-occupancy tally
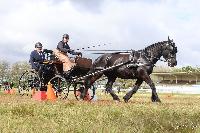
(155, 45)
(150, 47)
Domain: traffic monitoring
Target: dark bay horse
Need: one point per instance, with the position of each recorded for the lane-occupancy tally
(140, 67)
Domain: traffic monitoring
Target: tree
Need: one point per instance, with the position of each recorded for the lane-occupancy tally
(188, 69)
(4, 69)
(17, 69)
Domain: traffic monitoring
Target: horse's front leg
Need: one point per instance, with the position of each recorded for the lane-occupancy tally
(133, 91)
(154, 96)
(109, 88)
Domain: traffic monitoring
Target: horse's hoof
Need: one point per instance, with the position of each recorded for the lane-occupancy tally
(125, 99)
(117, 101)
(156, 100)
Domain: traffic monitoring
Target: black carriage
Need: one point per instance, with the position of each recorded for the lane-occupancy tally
(51, 71)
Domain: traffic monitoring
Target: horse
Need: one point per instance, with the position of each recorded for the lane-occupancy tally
(140, 67)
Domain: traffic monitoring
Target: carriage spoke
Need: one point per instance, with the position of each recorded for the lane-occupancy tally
(28, 80)
(60, 86)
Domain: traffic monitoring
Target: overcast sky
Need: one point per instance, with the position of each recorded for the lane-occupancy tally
(121, 24)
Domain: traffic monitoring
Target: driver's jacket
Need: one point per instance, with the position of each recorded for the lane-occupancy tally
(64, 47)
(36, 59)
(61, 53)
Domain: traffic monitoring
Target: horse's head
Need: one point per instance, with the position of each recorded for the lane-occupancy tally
(169, 52)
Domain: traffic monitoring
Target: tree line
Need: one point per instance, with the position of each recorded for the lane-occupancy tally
(11, 72)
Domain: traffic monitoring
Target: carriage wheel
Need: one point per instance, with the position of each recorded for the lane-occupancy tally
(78, 89)
(60, 86)
(29, 80)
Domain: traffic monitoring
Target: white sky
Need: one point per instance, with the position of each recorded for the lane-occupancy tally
(122, 24)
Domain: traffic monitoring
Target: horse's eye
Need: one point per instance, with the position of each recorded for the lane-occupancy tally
(175, 50)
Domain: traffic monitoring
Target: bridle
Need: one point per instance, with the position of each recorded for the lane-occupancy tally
(150, 57)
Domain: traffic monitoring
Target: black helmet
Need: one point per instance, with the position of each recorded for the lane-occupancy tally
(38, 45)
(66, 36)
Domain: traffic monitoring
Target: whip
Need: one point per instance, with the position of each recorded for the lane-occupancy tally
(89, 47)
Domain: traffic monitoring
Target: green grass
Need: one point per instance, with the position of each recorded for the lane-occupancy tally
(176, 113)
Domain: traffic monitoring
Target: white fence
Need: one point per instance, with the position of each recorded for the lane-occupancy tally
(193, 89)
(184, 89)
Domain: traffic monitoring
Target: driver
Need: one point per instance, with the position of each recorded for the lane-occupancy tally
(61, 52)
(37, 56)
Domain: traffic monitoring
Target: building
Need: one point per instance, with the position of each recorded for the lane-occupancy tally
(176, 77)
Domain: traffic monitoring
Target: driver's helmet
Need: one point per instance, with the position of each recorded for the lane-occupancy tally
(38, 45)
(66, 36)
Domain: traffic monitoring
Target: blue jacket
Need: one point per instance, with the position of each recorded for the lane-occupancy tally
(36, 59)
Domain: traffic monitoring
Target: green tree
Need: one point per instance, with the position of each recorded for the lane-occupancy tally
(188, 69)
(17, 69)
(4, 69)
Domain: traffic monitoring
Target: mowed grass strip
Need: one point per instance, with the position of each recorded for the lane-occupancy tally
(176, 113)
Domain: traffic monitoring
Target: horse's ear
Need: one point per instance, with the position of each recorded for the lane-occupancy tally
(168, 38)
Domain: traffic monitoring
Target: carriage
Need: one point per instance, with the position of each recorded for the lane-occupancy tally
(51, 71)
(126, 65)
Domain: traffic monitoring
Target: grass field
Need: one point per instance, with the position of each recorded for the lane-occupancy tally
(176, 113)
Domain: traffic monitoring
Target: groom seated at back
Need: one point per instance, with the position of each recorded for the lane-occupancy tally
(62, 51)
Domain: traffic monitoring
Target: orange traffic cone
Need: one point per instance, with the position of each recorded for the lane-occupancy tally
(40, 96)
(7, 91)
(87, 97)
(50, 93)
(12, 91)
(78, 93)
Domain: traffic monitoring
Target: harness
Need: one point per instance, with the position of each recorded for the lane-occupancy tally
(135, 59)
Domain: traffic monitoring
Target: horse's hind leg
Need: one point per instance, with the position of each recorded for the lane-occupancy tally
(133, 91)
(109, 88)
(88, 83)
